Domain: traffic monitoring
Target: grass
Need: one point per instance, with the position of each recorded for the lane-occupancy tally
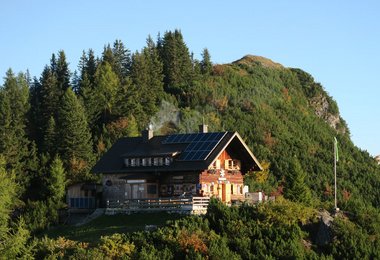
(107, 225)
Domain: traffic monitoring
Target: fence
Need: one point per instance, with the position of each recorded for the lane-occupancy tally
(196, 205)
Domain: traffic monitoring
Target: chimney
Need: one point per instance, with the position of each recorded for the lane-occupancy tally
(203, 128)
(147, 134)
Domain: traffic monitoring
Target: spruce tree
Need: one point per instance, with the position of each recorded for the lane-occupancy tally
(62, 72)
(177, 65)
(56, 182)
(50, 141)
(122, 60)
(74, 146)
(14, 106)
(295, 185)
(206, 64)
(45, 98)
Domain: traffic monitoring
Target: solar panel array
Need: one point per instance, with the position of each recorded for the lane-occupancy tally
(199, 147)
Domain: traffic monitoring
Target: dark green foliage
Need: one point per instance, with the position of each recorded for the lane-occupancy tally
(74, 145)
(295, 186)
(14, 142)
(206, 64)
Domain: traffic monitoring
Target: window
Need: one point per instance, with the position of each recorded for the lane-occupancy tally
(126, 162)
(138, 161)
(232, 164)
(232, 189)
(152, 189)
(168, 161)
(144, 161)
(155, 161)
(133, 162)
(149, 161)
(160, 161)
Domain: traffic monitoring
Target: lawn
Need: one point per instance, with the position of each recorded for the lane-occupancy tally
(107, 225)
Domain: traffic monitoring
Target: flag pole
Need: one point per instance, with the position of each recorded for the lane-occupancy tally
(336, 158)
(335, 204)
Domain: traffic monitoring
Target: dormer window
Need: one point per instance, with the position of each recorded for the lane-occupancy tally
(144, 161)
(133, 162)
(126, 162)
(160, 161)
(155, 161)
(168, 161)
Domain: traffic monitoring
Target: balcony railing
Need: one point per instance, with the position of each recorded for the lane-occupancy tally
(180, 204)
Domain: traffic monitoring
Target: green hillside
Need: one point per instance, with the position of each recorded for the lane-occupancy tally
(286, 116)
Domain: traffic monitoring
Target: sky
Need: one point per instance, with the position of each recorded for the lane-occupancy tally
(338, 42)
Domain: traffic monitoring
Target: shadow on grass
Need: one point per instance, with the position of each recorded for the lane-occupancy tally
(107, 225)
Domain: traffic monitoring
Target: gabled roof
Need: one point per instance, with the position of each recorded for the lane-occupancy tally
(190, 152)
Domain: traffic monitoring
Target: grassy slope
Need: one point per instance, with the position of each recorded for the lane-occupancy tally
(107, 225)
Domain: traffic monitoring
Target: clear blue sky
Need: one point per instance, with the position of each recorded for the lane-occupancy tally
(338, 42)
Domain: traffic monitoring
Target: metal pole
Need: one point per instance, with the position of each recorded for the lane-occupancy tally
(336, 206)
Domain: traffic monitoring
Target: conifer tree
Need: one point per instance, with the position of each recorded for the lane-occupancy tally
(103, 96)
(56, 182)
(295, 186)
(50, 141)
(74, 144)
(206, 65)
(177, 65)
(62, 72)
(14, 106)
(45, 97)
(122, 60)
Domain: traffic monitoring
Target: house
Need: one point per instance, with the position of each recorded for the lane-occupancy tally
(377, 159)
(83, 196)
(196, 164)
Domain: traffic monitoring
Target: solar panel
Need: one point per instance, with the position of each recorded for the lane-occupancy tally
(201, 147)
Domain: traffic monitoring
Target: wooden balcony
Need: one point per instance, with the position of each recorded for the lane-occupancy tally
(187, 205)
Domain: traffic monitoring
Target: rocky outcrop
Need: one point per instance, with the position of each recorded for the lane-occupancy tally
(324, 231)
(377, 158)
(321, 107)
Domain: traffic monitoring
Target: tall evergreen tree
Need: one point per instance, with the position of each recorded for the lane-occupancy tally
(295, 185)
(122, 60)
(14, 106)
(62, 72)
(56, 182)
(50, 138)
(75, 146)
(177, 65)
(45, 97)
(103, 97)
(206, 64)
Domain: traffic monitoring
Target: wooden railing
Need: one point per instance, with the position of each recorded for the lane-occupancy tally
(162, 204)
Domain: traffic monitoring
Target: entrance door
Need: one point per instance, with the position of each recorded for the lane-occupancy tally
(224, 197)
(136, 190)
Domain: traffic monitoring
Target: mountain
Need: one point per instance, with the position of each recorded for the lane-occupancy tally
(286, 116)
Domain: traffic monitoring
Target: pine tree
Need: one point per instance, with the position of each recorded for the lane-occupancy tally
(62, 73)
(14, 106)
(295, 186)
(104, 94)
(122, 60)
(45, 96)
(56, 182)
(8, 196)
(206, 64)
(50, 141)
(177, 65)
(75, 146)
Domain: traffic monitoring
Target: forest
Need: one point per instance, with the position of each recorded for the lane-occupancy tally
(56, 126)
